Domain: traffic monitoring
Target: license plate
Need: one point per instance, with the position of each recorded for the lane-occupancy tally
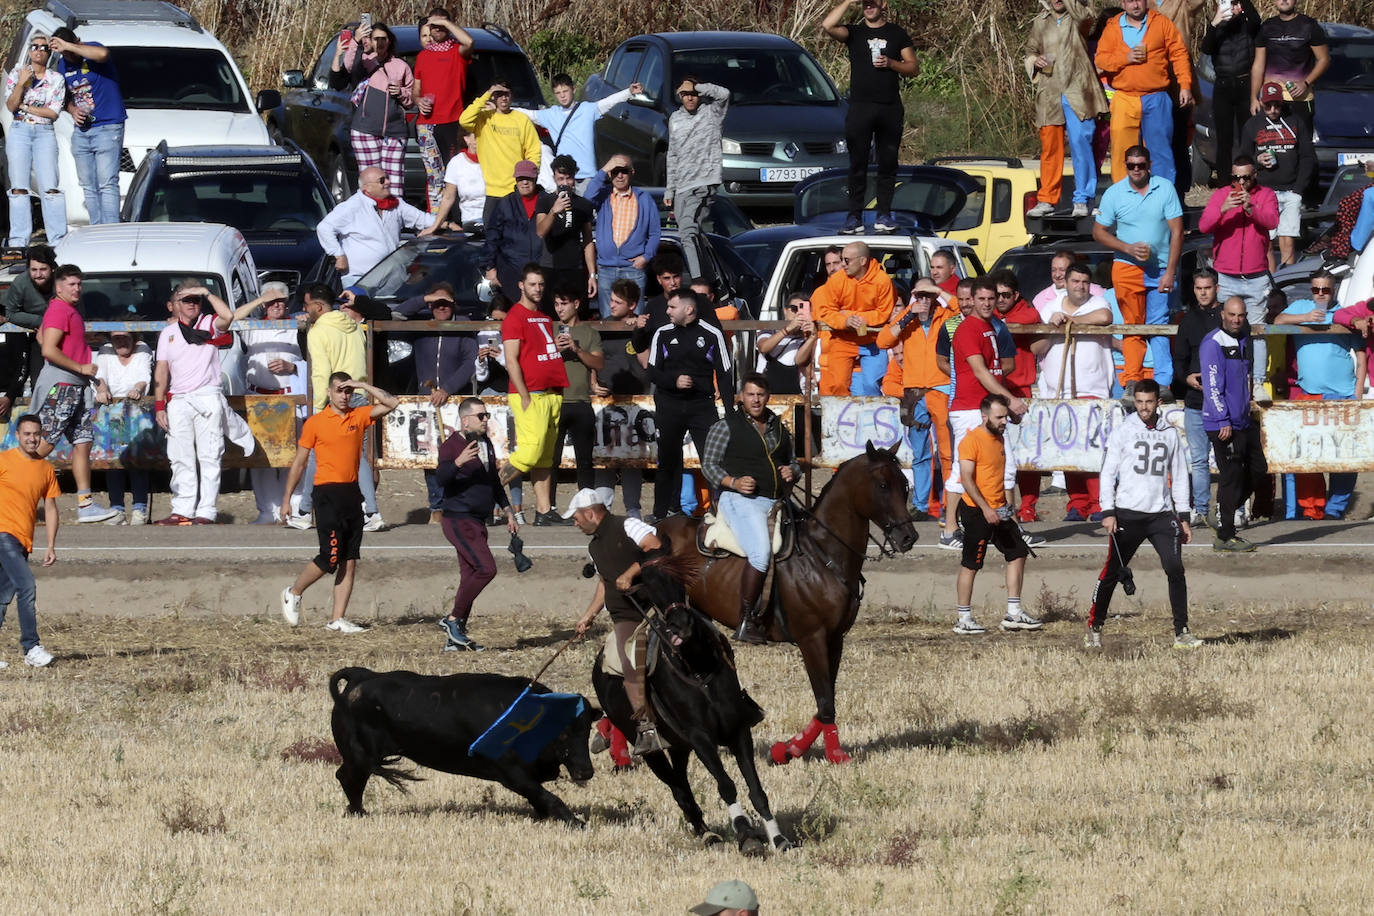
(1353, 158)
(788, 173)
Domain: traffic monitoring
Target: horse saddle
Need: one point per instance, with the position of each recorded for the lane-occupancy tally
(644, 643)
(715, 539)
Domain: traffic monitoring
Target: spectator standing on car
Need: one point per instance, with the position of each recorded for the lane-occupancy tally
(378, 128)
(190, 405)
(441, 70)
(26, 479)
(1225, 356)
(880, 53)
(1330, 368)
(580, 346)
(1193, 325)
(505, 137)
(1068, 99)
(96, 105)
(1142, 55)
(366, 227)
(512, 236)
(564, 220)
(571, 123)
(124, 370)
(35, 96)
(1281, 146)
(623, 375)
(694, 158)
(463, 186)
(1239, 217)
(853, 300)
(627, 229)
(1140, 218)
(1230, 42)
(1291, 50)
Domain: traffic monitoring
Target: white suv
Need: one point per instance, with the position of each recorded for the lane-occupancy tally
(178, 82)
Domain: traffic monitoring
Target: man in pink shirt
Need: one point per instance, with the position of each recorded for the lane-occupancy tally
(63, 389)
(190, 400)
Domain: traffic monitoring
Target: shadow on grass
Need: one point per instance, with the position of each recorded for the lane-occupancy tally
(515, 809)
(1266, 634)
(1315, 531)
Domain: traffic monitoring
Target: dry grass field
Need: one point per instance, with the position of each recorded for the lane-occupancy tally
(170, 765)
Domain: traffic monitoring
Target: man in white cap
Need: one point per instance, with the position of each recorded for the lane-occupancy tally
(728, 898)
(618, 547)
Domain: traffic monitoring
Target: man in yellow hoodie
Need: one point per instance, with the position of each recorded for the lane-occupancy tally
(504, 137)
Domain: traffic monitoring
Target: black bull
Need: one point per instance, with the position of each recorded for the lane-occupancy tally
(380, 717)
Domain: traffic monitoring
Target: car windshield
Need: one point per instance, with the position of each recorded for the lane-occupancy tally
(179, 78)
(135, 296)
(416, 266)
(250, 202)
(1352, 66)
(757, 76)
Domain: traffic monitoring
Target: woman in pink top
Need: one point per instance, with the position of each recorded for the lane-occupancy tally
(378, 129)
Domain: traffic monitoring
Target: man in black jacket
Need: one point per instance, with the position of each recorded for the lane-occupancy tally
(513, 238)
(689, 361)
(24, 303)
(1280, 142)
(1195, 324)
(468, 475)
(1230, 41)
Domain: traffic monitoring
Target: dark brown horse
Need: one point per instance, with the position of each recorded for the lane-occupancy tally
(817, 588)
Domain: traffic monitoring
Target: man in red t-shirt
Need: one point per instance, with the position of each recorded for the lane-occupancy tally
(537, 380)
(441, 70)
(1013, 309)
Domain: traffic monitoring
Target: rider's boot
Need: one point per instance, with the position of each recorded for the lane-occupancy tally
(753, 613)
(647, 740)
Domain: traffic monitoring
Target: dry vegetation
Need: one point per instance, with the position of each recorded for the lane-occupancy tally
(184, 765)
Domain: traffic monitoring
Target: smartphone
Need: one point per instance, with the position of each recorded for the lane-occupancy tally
(563, 193)
(365, 22)
(489, 339)
(563, 329)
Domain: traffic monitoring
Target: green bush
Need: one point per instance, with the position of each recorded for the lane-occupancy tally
(554, 51)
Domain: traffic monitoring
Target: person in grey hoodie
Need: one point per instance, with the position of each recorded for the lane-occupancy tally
(1225, 356)
(694, 160)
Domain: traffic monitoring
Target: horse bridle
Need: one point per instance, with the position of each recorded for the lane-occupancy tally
(656, 620)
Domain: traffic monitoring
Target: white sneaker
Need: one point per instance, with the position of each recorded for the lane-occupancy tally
(520, 518)
(1020, 621)
(38, 657)
(1259, 394)
(967, 626)
(116, 519)
(291, 606)
(1092, 639)
(300, 522)
(1080, 210)
(374, 522)
(138, 517)
(1041, 209)
(94, 512)
(344, 625)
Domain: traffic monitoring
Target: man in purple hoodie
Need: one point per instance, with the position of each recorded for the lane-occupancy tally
(1225, 356)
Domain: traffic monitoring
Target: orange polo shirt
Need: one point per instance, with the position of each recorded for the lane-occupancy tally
(23, 482)
(338, 442)
(919, 369)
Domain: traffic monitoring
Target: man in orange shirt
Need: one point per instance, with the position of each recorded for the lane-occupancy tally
(852, 300)
(986, 518)
(25, 478)
(913, 331)
(1142, 55)
(335, 435)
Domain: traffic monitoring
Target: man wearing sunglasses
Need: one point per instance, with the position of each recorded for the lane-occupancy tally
(1326, 372)
(1239, 217)
(1280, 143)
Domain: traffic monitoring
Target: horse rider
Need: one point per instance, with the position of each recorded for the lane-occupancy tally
(748, 458)
(618, 546)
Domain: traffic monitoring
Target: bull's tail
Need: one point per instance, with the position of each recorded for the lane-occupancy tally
(393, 774)
(344, 678)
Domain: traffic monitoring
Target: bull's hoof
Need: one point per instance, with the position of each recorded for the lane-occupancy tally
(355, 812)
(780, 754)
(753, 846)
(711, 838)
(837, 755)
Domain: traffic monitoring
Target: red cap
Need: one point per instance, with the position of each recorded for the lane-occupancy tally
(1271, 92)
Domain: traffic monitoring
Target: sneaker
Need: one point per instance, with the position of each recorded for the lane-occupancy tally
(967, 626)
(1092, 639)
(884, 224)
(291, 606)
(344, 625)
(1186, 640)
(202, 520)
(1080, 210)
(1095, 517)
(453, 627)
(1242, 520)
(1027, 515)
(463, 643)
(519, 518)
(1234, 545)
(1073, 515)
(138, 516)
(1041, 209)
(38, 657)
(550, 518)
(94, 512)
(1032, 540)
(174, 520)
(1199, 520)
(1260, 394)
(300, 522)
(953, 541)
(852, 226)
(1020, 621)
(374, 522)
(117, 518)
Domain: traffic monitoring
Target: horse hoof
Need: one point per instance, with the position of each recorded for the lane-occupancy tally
(782, 843)
(779, 755)
(837, 756)
(752, 846)
(711, 838)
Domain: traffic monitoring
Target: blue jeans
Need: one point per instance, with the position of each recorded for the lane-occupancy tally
(16, 579)
(365, 484)
(868, 381)
(1159, 309)
(747, 517)
(606, 275)
(1079, 134)
(33, 148)
(1157, 136)
(1255, 292)
(96, 152)
(922, 474)
(138, 480)
(1199, 448)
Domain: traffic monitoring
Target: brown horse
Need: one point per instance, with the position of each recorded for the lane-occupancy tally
(817, 588)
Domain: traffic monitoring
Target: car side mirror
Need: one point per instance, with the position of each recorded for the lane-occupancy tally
(644, 100)
(268, 99)
(293, 79)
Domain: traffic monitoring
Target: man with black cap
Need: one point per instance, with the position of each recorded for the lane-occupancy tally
(694, 160)
(96, 105)
(366, 227)
(728, 898)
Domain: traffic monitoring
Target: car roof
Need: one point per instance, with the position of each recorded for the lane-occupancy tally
(190, 247)
(132, 34)
(487, 38)
(1345, 30)
(700, 41)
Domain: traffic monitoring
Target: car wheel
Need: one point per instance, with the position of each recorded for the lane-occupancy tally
(1202, 171)
(339, 177)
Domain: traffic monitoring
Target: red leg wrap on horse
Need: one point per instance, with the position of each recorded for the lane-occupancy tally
(833, 752)
(620, 749)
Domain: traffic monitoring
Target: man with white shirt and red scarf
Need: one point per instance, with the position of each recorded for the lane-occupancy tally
(190, 404)
(366, 227)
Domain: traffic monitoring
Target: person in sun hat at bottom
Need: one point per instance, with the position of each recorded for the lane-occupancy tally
(728, 898)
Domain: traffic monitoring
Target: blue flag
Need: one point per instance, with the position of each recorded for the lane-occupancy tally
(533, 720)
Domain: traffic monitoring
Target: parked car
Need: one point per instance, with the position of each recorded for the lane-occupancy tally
(316, 117)
(994, 218)
(180, 85)
(724, 217)
(130, 270)
(1344, 130)
(274, 196)
(786, 118)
